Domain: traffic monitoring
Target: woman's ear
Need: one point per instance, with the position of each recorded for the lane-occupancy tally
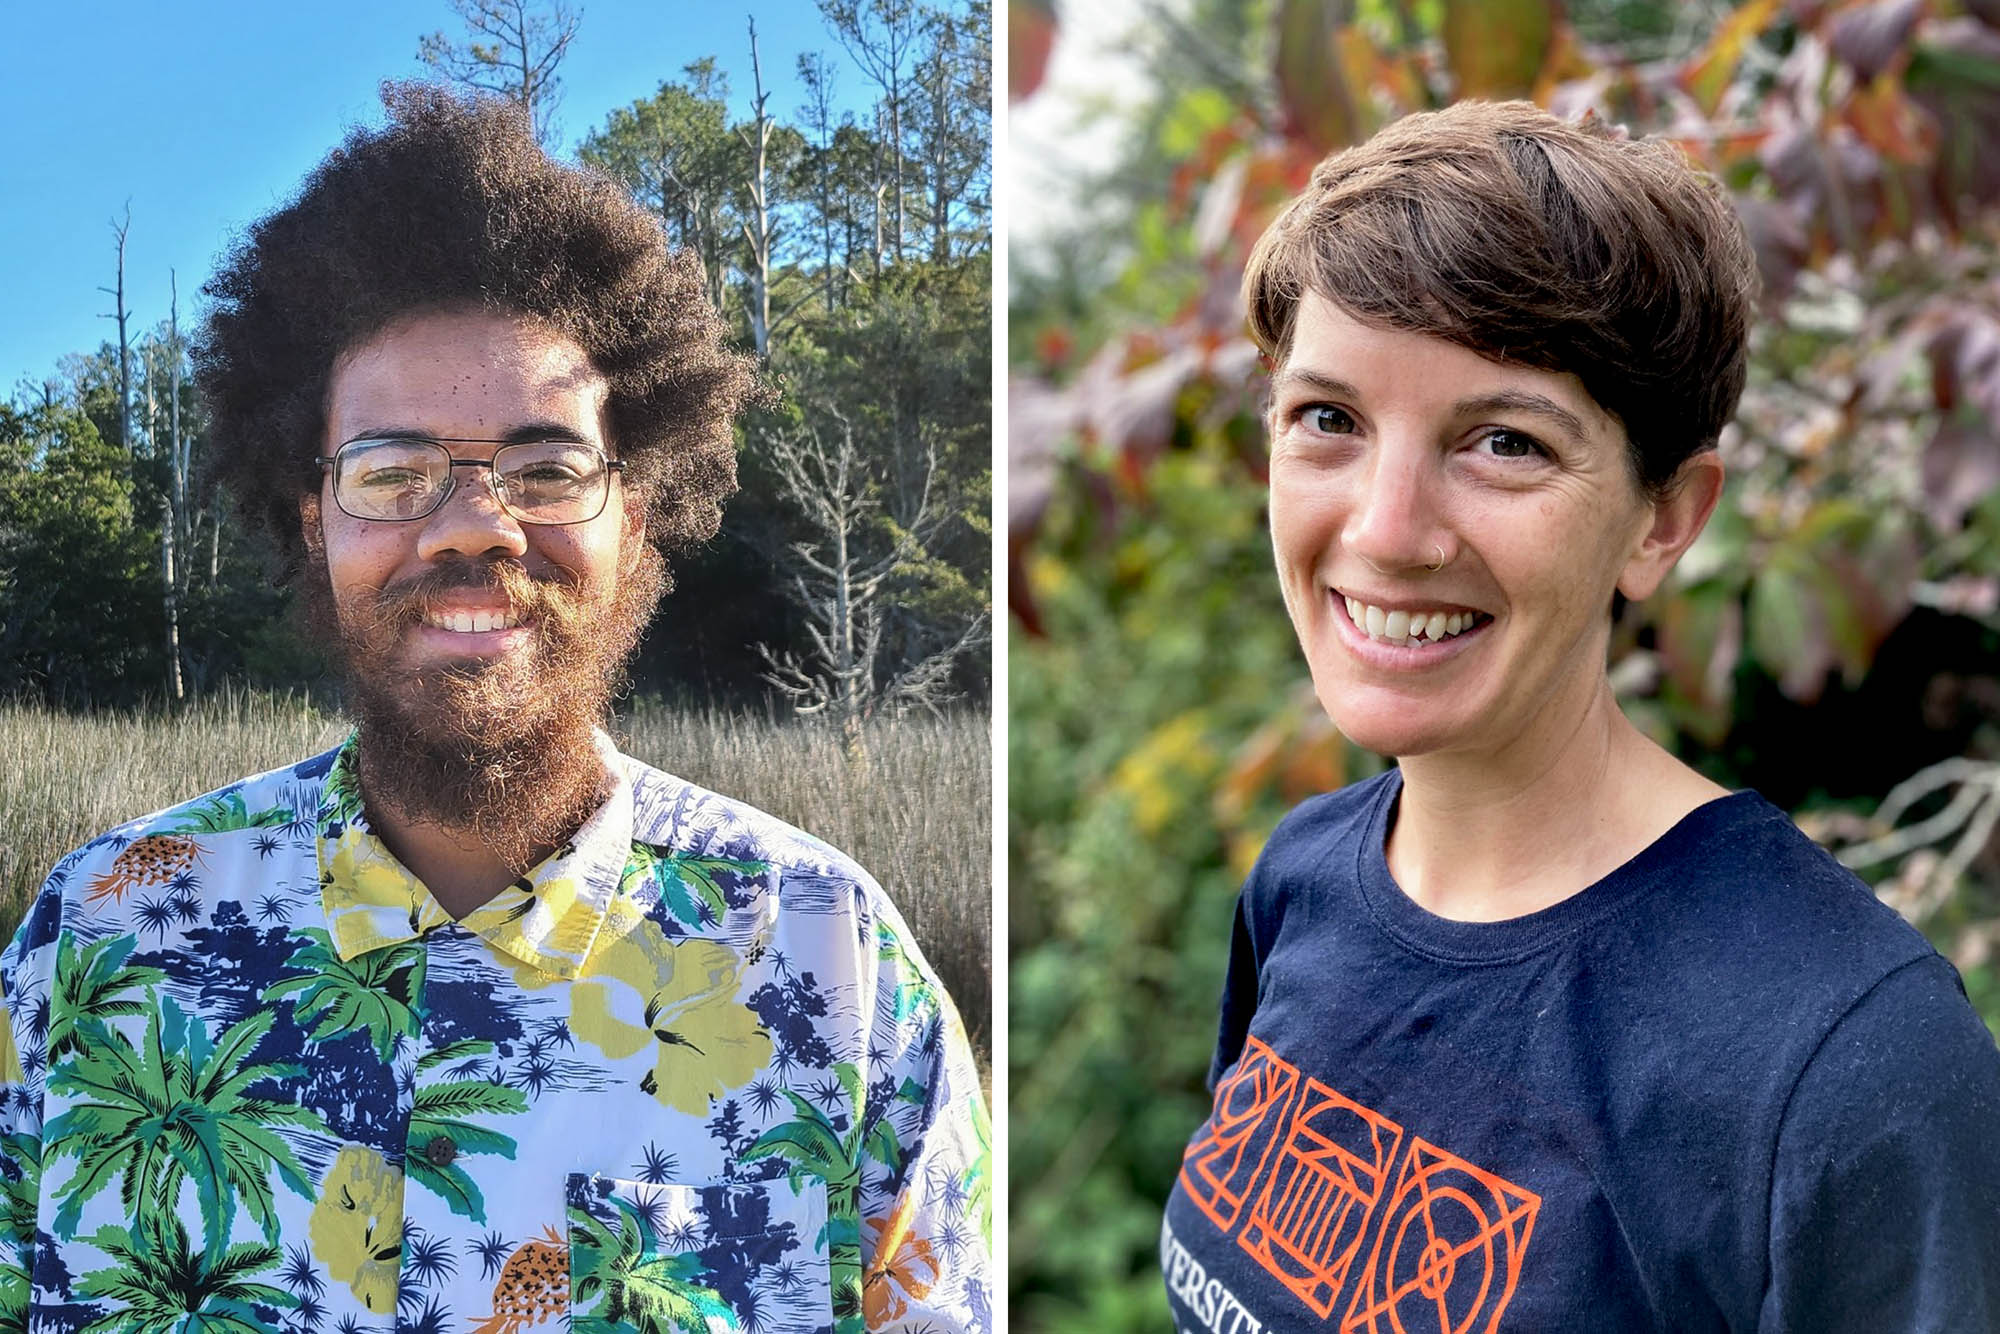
(1677, 520)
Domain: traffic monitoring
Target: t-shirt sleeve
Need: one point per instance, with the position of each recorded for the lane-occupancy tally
(1239, 994)
(1885, 1204)
(927, 1172)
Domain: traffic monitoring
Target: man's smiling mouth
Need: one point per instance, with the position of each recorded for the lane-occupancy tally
(472, 622)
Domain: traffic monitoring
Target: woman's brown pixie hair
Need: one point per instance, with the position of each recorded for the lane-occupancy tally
(453, 204)
(1534, 241)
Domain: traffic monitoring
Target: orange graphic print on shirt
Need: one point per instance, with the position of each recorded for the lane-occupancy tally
(1313, 1186)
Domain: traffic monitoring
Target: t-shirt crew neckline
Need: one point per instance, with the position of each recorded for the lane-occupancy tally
(1655, 866)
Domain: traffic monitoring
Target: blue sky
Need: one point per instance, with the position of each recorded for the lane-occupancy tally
(207, 115)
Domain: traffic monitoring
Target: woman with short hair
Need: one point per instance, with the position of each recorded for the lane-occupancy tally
(1541, 1029)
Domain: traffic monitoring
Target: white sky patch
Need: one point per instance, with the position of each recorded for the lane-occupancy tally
(1070, 130)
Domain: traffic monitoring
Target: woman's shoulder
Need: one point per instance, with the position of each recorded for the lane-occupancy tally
(1343, 812)
(1744, 908)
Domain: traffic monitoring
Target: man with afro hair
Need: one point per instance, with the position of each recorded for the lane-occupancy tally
(473, 1022)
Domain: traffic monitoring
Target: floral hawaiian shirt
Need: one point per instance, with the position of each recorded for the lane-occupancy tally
(690, 1073)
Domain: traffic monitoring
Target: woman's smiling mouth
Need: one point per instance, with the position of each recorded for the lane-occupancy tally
(1427, 629)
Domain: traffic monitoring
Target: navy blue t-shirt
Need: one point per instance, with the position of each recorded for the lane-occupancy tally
(1723, 1088)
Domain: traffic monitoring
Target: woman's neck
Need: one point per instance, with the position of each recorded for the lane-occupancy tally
(1493, 836)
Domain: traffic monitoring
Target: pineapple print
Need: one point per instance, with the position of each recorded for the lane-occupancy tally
(533, 1286)
(154, 860)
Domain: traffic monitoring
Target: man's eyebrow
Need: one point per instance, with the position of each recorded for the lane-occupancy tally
(535, 430)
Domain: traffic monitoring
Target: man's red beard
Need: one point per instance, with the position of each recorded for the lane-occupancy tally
(500, 749)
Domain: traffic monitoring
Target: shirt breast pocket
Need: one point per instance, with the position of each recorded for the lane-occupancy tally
(663, 1257)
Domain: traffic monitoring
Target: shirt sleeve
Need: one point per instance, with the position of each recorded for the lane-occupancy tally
(926, 1162)
(1885, 1207)
(23, 985)
(1239, 994)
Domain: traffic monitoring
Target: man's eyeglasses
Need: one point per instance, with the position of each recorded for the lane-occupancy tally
(536, 481)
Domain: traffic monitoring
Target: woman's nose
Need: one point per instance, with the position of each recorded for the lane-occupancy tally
(1394, 524)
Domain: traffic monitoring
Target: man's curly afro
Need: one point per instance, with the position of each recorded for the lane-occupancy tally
(450, 205)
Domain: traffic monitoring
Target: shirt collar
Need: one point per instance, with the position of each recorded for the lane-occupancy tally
(548, 919)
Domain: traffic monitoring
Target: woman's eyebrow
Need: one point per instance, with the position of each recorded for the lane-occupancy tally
(1313, 380)
(1523, 400)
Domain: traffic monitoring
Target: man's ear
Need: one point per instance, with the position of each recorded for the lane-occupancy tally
(309, 524)
(1677, 521)
(633, 541)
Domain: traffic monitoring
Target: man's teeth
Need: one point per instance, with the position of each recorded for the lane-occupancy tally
(473, 622)
(1406, 627)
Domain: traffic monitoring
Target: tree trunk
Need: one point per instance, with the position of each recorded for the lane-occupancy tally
(119, 230)
(758, 230)
(175, 688)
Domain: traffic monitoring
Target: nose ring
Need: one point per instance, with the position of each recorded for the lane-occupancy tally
(1440, 560)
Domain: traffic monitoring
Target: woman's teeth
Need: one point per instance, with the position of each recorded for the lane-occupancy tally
(1408, 627)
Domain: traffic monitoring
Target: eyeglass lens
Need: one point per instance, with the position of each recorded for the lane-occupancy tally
(538, 481)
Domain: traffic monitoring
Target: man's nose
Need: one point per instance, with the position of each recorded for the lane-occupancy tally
(471, 521)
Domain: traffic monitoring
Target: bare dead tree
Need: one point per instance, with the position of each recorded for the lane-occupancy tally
(120, 228)
(760, 228)
(846, 573)
(512, 48)
(818, 79)
(880, 35)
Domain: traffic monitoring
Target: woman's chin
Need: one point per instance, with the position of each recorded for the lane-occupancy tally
(1391, 726)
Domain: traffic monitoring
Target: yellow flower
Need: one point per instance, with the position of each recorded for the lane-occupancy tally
(365, 875)
(10, 1058)
(357, 1226)
(639, 989)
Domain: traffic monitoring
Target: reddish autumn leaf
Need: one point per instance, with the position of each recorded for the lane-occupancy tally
(1890, 123)
(1312, 90)
(1497, 48)
(1700, 639)
(1961, 468)
(1874, 38)
(1031, 34)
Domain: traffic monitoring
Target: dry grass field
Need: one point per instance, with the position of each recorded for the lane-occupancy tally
(912, 803)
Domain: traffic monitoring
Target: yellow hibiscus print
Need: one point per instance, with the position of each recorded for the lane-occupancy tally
(357, 1226)
(371, 898)
(10, 1057)
(639, 990)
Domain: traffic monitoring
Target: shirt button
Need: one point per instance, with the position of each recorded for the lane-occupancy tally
(440, 1151)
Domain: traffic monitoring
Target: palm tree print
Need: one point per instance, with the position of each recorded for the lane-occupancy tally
(814, 1147)
(226, 811)
(440, 1110)
(20, 1185)
(93, 987)
(165, 1285)
(688, 884)
(621, 1281)
(176, 1113)
(376, 991)
(915, 993)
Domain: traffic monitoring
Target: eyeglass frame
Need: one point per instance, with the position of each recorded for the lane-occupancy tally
(611, 465)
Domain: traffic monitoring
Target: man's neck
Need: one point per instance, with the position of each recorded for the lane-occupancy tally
(460, 872)
(497, 835)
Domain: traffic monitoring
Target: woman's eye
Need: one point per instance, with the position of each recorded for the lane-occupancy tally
(1327, 419)
(1513, 445)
